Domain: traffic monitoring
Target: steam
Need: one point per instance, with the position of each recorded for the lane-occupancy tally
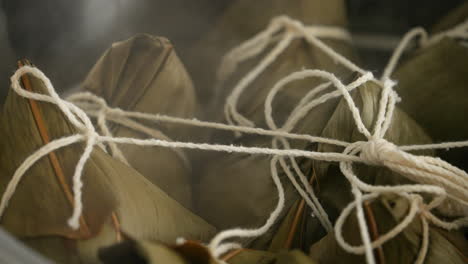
(100, 18)
(65, 39)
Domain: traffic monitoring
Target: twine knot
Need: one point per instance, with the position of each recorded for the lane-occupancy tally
(374, 151)
(291, 25)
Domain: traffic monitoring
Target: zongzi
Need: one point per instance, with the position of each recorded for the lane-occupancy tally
(116, 198)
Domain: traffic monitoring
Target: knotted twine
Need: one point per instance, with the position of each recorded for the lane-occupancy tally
(440, 179)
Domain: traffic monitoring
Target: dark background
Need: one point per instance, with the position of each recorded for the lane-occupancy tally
(65, 37)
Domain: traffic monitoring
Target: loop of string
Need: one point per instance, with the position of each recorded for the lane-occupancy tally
(256, 45)
(77, 117)
(433, 176)
(288, 30)
(97, 107)
(459, 31)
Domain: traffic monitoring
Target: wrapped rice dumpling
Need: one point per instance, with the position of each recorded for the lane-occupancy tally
(335, 192)
(402, 131)
(433, 85)
(298, 229)
(241, 21)
(144, 74)
(116, 198)
(244, 181)
(387, 212)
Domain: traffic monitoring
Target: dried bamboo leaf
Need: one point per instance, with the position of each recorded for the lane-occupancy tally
(433, 82)
(144, 74)
(249, 194)
(433, 86)
(40, 196)
(38, 211)
(404, 248)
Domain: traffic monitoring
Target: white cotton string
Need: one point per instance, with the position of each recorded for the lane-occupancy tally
(78, 184)
(231, 110)
(383, 238)
(153, 133)
(292, 29)
(118, 116)
(346, 169)
(216, 243)
(385, 113)
(416, 32)
(245, 51)
(323, 156)
(374, 151)
(258, 43)
(315, 206)
(52, 98)
(97, 107)
(459, 31)
(102, 122)
(308, 194)
(225, 247)
(363, 225)
(86, 102)
(445, 145)
(297, 113)
(453, 225)
(343, 90)
(301, 112)
(83, 99)
(29, 162)
(425, 241)
(392, 100)
(307, 98)
(71, 112)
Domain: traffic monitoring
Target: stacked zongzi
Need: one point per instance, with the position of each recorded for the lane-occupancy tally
(432, 83)
(144, 74)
